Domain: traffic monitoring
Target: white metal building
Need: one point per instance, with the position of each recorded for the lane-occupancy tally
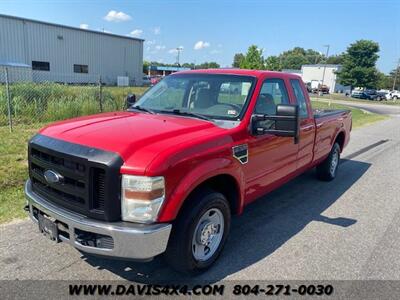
(67, 54)
(314, 74)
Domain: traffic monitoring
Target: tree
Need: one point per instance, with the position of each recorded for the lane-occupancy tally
(296, 57)
(253, 59)
(384, 81)
(358, 68)
(189, 65)
(208, 65)
(237, 59)
(272, 63)
(146, 66)
(293, 61)
(394, 77)
(335, 59)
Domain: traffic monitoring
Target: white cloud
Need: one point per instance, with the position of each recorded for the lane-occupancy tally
(157, 30)
(150, 42)
(160, 47)
(136, 32)
(201, 45)
(84, 26)
(117, 16)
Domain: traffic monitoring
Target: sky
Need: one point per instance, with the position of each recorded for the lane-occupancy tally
(215, 30)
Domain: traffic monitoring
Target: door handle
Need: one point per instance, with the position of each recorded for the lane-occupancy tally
(308, 128)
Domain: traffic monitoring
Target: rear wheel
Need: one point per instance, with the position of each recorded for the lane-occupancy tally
(327, 170)
(199, 233)
(395, 97)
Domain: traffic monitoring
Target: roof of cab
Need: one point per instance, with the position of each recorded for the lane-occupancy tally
(244, 72)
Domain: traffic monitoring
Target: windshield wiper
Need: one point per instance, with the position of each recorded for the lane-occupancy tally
(189, 114)
(137, 107)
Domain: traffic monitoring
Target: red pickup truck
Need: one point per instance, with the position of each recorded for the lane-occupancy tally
(166, 175)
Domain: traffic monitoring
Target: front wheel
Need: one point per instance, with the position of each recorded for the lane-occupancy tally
(199, 233)
(327, 169)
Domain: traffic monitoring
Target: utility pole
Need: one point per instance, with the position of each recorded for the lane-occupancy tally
(323, 73)
(178, 51)
(395, 74)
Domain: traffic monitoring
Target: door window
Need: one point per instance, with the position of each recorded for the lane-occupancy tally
(273, 92)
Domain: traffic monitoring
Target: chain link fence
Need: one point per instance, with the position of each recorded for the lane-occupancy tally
(29, 97)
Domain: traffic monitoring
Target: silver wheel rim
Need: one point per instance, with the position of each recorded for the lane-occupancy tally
(334, 162)
(208, 234)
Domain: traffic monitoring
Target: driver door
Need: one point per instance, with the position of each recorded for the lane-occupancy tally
(271, 157)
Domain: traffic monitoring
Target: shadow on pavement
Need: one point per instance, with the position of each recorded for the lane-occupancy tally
(263, 228)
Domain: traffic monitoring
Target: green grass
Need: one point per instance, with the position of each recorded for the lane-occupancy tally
(13, 170)
(360, 117)
(341, 97)
(13, 155)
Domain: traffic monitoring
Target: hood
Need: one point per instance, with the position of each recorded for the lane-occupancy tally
(136, 137)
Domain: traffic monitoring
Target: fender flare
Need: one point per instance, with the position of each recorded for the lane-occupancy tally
(338, 132)
(195, 177)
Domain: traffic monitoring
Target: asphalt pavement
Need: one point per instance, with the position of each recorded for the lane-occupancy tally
(307, 230)
(373, 106)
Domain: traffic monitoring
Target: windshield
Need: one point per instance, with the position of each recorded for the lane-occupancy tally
(211, 95)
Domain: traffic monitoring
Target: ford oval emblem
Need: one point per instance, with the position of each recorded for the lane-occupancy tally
(52, 176)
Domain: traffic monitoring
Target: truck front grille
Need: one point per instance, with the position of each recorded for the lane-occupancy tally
(90, 185)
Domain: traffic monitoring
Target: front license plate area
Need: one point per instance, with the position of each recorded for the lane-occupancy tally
(48, 227)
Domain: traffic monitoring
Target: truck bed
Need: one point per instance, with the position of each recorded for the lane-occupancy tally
(320, 113)
(328, 123)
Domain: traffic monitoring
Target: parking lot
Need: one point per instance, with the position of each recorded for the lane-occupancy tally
(345, 229)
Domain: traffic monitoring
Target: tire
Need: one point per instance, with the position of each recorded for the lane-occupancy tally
(186, 232)
(395, 97)
(327, 169)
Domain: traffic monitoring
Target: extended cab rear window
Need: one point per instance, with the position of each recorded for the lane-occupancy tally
(300, 97)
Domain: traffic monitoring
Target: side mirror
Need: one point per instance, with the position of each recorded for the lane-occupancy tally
(284, 123)
(130, 100)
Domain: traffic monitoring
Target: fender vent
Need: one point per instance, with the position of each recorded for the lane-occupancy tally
(241, 153)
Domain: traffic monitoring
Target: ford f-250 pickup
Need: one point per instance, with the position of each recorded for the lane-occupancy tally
(166, 175)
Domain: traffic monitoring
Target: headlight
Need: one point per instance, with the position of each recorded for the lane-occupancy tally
(142, 198)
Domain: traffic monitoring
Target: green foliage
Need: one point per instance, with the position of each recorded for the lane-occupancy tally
(335, 59)
(237, 59)
(272, 63)
(208, 65)
(384, 81)
(358, 68)
(253, 59)
(33, 102)
(394, 78)
(146, 66)
(295, 58)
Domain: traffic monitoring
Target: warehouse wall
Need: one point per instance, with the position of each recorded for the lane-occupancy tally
(108, 56)
(315, 72)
